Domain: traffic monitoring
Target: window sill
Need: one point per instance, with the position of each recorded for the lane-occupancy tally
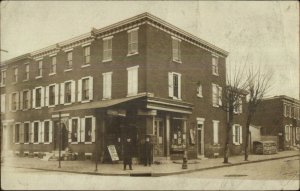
(74, 143)
(88, 143)
(51, 106)
(215, 74)
(36, 143)
(38, 77)
(131, 95)
(51, 74)
(17, 143)
(200, 96)
(47, 143)
(26, 143)
(85, 101)
(131, 54)
(2, 85)
(176, 98)
(216, 106)
(108, 60)
(104, 99)
(216, 144)
(38, 108)
(67, 103)
(86, 65)
(237, 144)
(178, 61)
(67, 70)
(25, 109)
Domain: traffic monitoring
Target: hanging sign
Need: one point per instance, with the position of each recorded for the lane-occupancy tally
(113, 152)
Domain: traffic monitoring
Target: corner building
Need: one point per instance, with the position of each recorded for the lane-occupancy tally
(141, 76)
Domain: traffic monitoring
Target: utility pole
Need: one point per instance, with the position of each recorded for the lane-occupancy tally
(60, 137)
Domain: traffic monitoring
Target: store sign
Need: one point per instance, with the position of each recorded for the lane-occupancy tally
(120, 112)
(147, 112)
(113, 152)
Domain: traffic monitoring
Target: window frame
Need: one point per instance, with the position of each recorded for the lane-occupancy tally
(69, 60)
(3, 78)
(70, 92)
(131, 41)
(17, 137)
(40, 69)
(26, 99)
(53, 65)
(107, 85)
(15, 75)
(216, 128)
(176, 49)
(28, 133)
(86, 55)
(27, 72)
(217, 96)
(215, 65)
(34, 132)
(107, 49)
(133, 80)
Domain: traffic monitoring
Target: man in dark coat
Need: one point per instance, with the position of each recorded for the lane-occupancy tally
(148, 151)
(127, 154)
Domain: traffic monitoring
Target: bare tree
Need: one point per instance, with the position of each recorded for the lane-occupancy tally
(257, 85)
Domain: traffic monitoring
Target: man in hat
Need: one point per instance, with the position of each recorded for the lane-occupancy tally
(127, 153)
(148, 148)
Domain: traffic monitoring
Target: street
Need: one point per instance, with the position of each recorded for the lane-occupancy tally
(269, 175)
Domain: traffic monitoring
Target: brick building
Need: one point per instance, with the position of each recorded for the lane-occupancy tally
(279, 116)
(141, 76)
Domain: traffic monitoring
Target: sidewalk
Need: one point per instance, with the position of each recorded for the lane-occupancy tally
(88, 167)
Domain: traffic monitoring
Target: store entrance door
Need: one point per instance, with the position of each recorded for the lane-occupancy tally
(158, 131)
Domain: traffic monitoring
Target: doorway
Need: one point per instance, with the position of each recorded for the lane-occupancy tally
(63, 134)
(158, 131)
(200, 137)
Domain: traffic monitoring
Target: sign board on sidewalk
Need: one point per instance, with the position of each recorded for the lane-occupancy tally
(113, 152)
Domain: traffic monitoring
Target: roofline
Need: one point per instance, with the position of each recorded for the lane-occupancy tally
(284, 97)
(94, 32)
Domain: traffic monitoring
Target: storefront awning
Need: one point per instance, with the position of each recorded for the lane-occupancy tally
(100, 104)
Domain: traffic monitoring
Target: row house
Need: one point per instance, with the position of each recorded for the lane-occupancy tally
(280, 116)
(141, 76)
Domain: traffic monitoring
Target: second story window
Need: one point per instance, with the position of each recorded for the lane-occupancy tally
(107, 49)
(40, 68)
(26, 72)
(14, 101)
(85, 89)
(133, 41)
(69, 61)
(51, 95)
(107, 85)
(53, 65)
(15, 77)
(68, 92)
(176, 50)
(38, 97)
(26, 99)
(237, 134)
(3, 78)
(199, 90)
(132, 83)
(3, 103)
(215, 65)
(216, 95)
(86, 55)
(238, 107)
(174, 85)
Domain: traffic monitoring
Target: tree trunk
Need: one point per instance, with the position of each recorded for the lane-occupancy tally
(228, 130)
(249, 117)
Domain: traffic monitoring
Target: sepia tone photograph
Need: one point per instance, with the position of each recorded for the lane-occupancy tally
(150, 95)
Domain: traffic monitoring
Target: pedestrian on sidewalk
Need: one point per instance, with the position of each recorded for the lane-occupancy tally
(127, 153)
(148, 149)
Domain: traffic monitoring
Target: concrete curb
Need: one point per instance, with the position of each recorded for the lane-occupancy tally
(154, 174)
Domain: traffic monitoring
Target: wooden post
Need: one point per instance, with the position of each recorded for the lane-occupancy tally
(60, 141)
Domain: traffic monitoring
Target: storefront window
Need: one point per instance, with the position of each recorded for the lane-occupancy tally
(178, 135)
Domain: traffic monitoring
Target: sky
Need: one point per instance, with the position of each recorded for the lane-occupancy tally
(260, 34)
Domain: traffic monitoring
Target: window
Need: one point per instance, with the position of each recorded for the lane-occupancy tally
(216, 95)
(68, 92)
(69, 62)
(15, 77)
(287, 132)
(298, 113)
(38, 98)
(132, 83)
(237, 134)
(36, 134)
(46, 131)
(3, 78)
(199, 91)
(26, 99)
(88, 129)
(85, 89)
(296, 110)
(17, 133)
(215, 67)
(290, 111)
(14, 101)
(298, 133)
(238, 107)
(86, 55)
(53, 65)
(133, 41)
(215, 132)
(26, 132)
(3, 103)
(176, 50)
(107, 85)
(26, 72)
(175, 85)
(52, 95)
(40, 68)
(74, 130)
(285, 110)
(107, 49)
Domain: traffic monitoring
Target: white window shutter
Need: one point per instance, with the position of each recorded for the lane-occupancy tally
(29, 99)
(109, 85)
(78, 129)
(9, 102)
(93, 129)
(82, 130)
(70, 131)
(220, 95)
(14, 134)
(179, 86)
(43, 131)
(104, 86)
(62, 93)
(3, 103)
(170, 84)
(18, 100)
(241, 134)
(42, 96)
(40, 133)
(31, 132)
(216, 132)
(91, 90)
(47, 96)
(129, 82)
(135, 80)
(233, 134)
(73, 95)
(80, 90)
(21, 100)
(56, 88)
(33, 97)
(50, 131)
(21, 134)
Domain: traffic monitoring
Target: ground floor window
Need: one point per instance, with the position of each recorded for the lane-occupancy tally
(298, 133)
(74, 130)
(215, 132)
(178, 134)
(237, 134)
(17, 133)
(88, 129)
(26, 132)
(36, 132)
(46, 131)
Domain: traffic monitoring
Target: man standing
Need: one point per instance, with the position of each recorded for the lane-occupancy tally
(148, 151)
(127, 154)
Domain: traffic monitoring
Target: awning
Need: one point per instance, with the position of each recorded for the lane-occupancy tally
(100, 104)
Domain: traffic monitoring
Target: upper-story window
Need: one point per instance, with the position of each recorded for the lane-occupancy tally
(14, 101)
(53, 65)
(132, 76)
(40, 69)
(51, 95)
(290, 111)
(285, 110)
(298, 113)
(176, 50)
(216, 95)
(3, 78)
(26, 99)
(38, 97)
(199, 90)
(107, 49)
(15, 76)
(215, 65)
(133, 41)
(174, 85)
(26, 72)
(69, 62)
(237, 134)
(87, 55)
(238, 107)
(107, 85)
(68, 92)
(85, 89)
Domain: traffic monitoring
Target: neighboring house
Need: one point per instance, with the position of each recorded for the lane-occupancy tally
(279, 116)
(136, 77)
